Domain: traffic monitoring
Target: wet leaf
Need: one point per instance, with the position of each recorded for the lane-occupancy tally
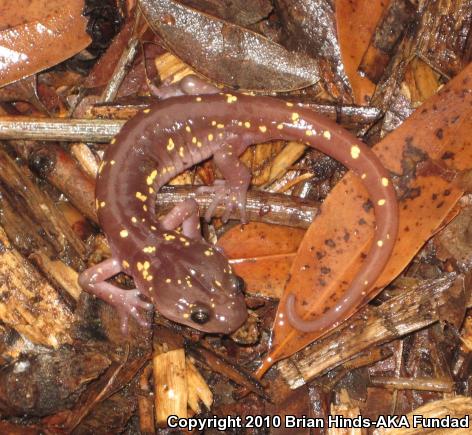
(239, 12)
(35, 35)
(309, 26)
(226, 53)
(439, 133)
(262, 255)
(356, 21)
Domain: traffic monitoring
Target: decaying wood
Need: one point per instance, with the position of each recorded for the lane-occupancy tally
(170, 385)
(410, 311)
(58, 233)
(452, 18)
(171, 68)
(29, 304)
(58, 167)
(457, 407)
(198, 389)
(145, 403)
(58, 273)
(344, 410)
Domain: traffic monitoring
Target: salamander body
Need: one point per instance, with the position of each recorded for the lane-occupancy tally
(187, 280)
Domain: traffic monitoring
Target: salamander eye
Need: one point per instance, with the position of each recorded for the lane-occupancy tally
(238, 282)
(200, 314)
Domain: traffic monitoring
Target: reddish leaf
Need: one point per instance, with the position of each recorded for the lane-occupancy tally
(262, 255)
(35, 35)
(441, 130)
(356, 21)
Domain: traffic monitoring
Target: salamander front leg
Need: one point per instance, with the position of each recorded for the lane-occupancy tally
(127, 302)
(185, 214)
(232, 191)
(189, 85)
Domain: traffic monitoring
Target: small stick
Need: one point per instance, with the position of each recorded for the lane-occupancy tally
(420, 384)
(58, 129)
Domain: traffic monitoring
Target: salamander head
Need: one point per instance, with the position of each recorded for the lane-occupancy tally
(197, 287)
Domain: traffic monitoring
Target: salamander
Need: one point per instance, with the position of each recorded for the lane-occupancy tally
(188, 280)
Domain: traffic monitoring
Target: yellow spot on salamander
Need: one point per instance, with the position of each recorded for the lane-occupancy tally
(151, 190)
(199, 144)
(170, 144)
(149, 278)
(247, 124)
(364, 176)
(181, 152)
(146, 110)
(141, 196)
(381, 202)
(194, 140)
(168, 280)
(208, 252)
(112, 142)
(123, 233)
(309, 133)
(112, 162)
(102, 204)
(289, 104)
(149, 249)
(134, 220)
(213, 123)
(188, 129)
(125, 264)
(384, 181)
(263, 128)
(145, 207)
(146, 265)
(355, 152)
(327, 135)
(198, 99)
(380, 243)
(280, 127)
(210, 137)
(295, 116)
(240, 123)
(152, 176)
(231, 98)
(220, 126)
(169, 237)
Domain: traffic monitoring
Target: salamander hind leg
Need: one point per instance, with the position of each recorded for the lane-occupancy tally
(232, 191)
(185, 214)
(127, 302)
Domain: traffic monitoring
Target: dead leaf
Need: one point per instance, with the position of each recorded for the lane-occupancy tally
(441, 130)
(226, 53)
(35, 35)
(262, 255)
(356, 22)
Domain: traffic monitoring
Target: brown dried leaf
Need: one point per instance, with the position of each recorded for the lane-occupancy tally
(262, 255)
(35, 35)
(226, 53)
